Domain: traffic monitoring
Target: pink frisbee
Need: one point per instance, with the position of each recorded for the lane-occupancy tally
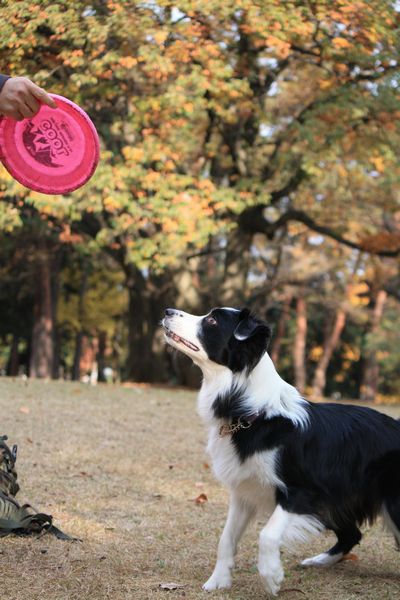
(55, 152)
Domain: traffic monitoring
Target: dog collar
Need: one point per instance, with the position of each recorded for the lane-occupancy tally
(238, 424)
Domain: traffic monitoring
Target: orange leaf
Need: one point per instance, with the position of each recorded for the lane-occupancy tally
(378, 163)
(128, 61)
(201, 499)
(350, 556)
(340, 42)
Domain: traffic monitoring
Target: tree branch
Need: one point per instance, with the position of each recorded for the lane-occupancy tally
(253, 221)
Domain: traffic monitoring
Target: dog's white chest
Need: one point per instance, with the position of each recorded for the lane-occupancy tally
(226, 464)
(255, 479)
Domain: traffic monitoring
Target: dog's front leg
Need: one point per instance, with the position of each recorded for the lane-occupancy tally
(239, 515)
(269, 561)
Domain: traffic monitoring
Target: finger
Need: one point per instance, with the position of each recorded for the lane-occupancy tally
(42, 96)
(32, 105)
(17, 115)
(26, 110)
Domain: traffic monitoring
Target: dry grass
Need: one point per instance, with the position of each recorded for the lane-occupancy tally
(120, 468)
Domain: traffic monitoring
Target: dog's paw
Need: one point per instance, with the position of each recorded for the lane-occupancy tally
(272, 580)
(218, 580)
(322, 560)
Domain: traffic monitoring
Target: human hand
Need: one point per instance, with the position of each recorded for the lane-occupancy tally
(20, 98)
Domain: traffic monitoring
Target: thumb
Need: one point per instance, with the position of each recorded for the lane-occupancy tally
(42, 96)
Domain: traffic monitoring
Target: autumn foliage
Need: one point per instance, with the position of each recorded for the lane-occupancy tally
(249, 155)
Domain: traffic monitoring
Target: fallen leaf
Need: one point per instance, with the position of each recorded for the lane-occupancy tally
(171, 586)
(85, 474)
(350, 556)
(201, 499)
(206, 465)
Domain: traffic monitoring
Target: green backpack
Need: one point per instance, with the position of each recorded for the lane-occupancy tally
(20, 520)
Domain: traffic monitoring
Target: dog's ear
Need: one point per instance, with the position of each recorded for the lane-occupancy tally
(248, 326)
(248, 342)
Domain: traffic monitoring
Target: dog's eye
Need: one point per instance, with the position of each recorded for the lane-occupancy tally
(211, 321)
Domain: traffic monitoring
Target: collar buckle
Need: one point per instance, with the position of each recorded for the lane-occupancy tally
(231, 428)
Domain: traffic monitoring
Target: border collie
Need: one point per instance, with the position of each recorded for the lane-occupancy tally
(311, 466)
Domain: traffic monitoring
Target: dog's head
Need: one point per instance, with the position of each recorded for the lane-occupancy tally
(226, 336)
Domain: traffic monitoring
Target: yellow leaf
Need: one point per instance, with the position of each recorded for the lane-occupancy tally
(358, 294)
(128, 62)
(378, 163)
(132, 153)
(340, 42)
(316, 353)
(160, 36)
(324, 84)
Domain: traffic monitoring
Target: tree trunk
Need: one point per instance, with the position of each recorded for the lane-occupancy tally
(13, 360)
(76, 367)
(101, 356)
(280, 330)
(299, 347)
(148, 297)
(55, 289)
(330, 343)
(234, 285)
(370, 380)
(41, 359)
(57, 369)
(332, 337)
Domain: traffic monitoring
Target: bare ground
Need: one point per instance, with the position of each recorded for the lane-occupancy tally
(120, 467)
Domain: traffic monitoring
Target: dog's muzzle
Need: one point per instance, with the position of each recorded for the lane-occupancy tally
(178, 339)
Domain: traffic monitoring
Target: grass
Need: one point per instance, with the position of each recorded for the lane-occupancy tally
(120, 467)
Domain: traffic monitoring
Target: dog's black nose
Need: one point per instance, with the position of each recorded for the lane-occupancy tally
(172, 312)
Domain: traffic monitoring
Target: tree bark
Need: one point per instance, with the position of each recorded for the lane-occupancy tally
(76, 367)
(370, 380)
(330, 343)
(280, 330)
(55, 289)
(234, 285)
(101, 356)
(42, 353)
(13, 360)
(58, 368)
(299, 347)
(148, 297)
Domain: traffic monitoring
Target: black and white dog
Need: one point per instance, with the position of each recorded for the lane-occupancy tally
(312, 466)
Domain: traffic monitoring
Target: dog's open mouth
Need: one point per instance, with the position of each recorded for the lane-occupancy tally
(180, 340)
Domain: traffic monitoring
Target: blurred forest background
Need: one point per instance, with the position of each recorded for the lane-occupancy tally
(249, 157)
